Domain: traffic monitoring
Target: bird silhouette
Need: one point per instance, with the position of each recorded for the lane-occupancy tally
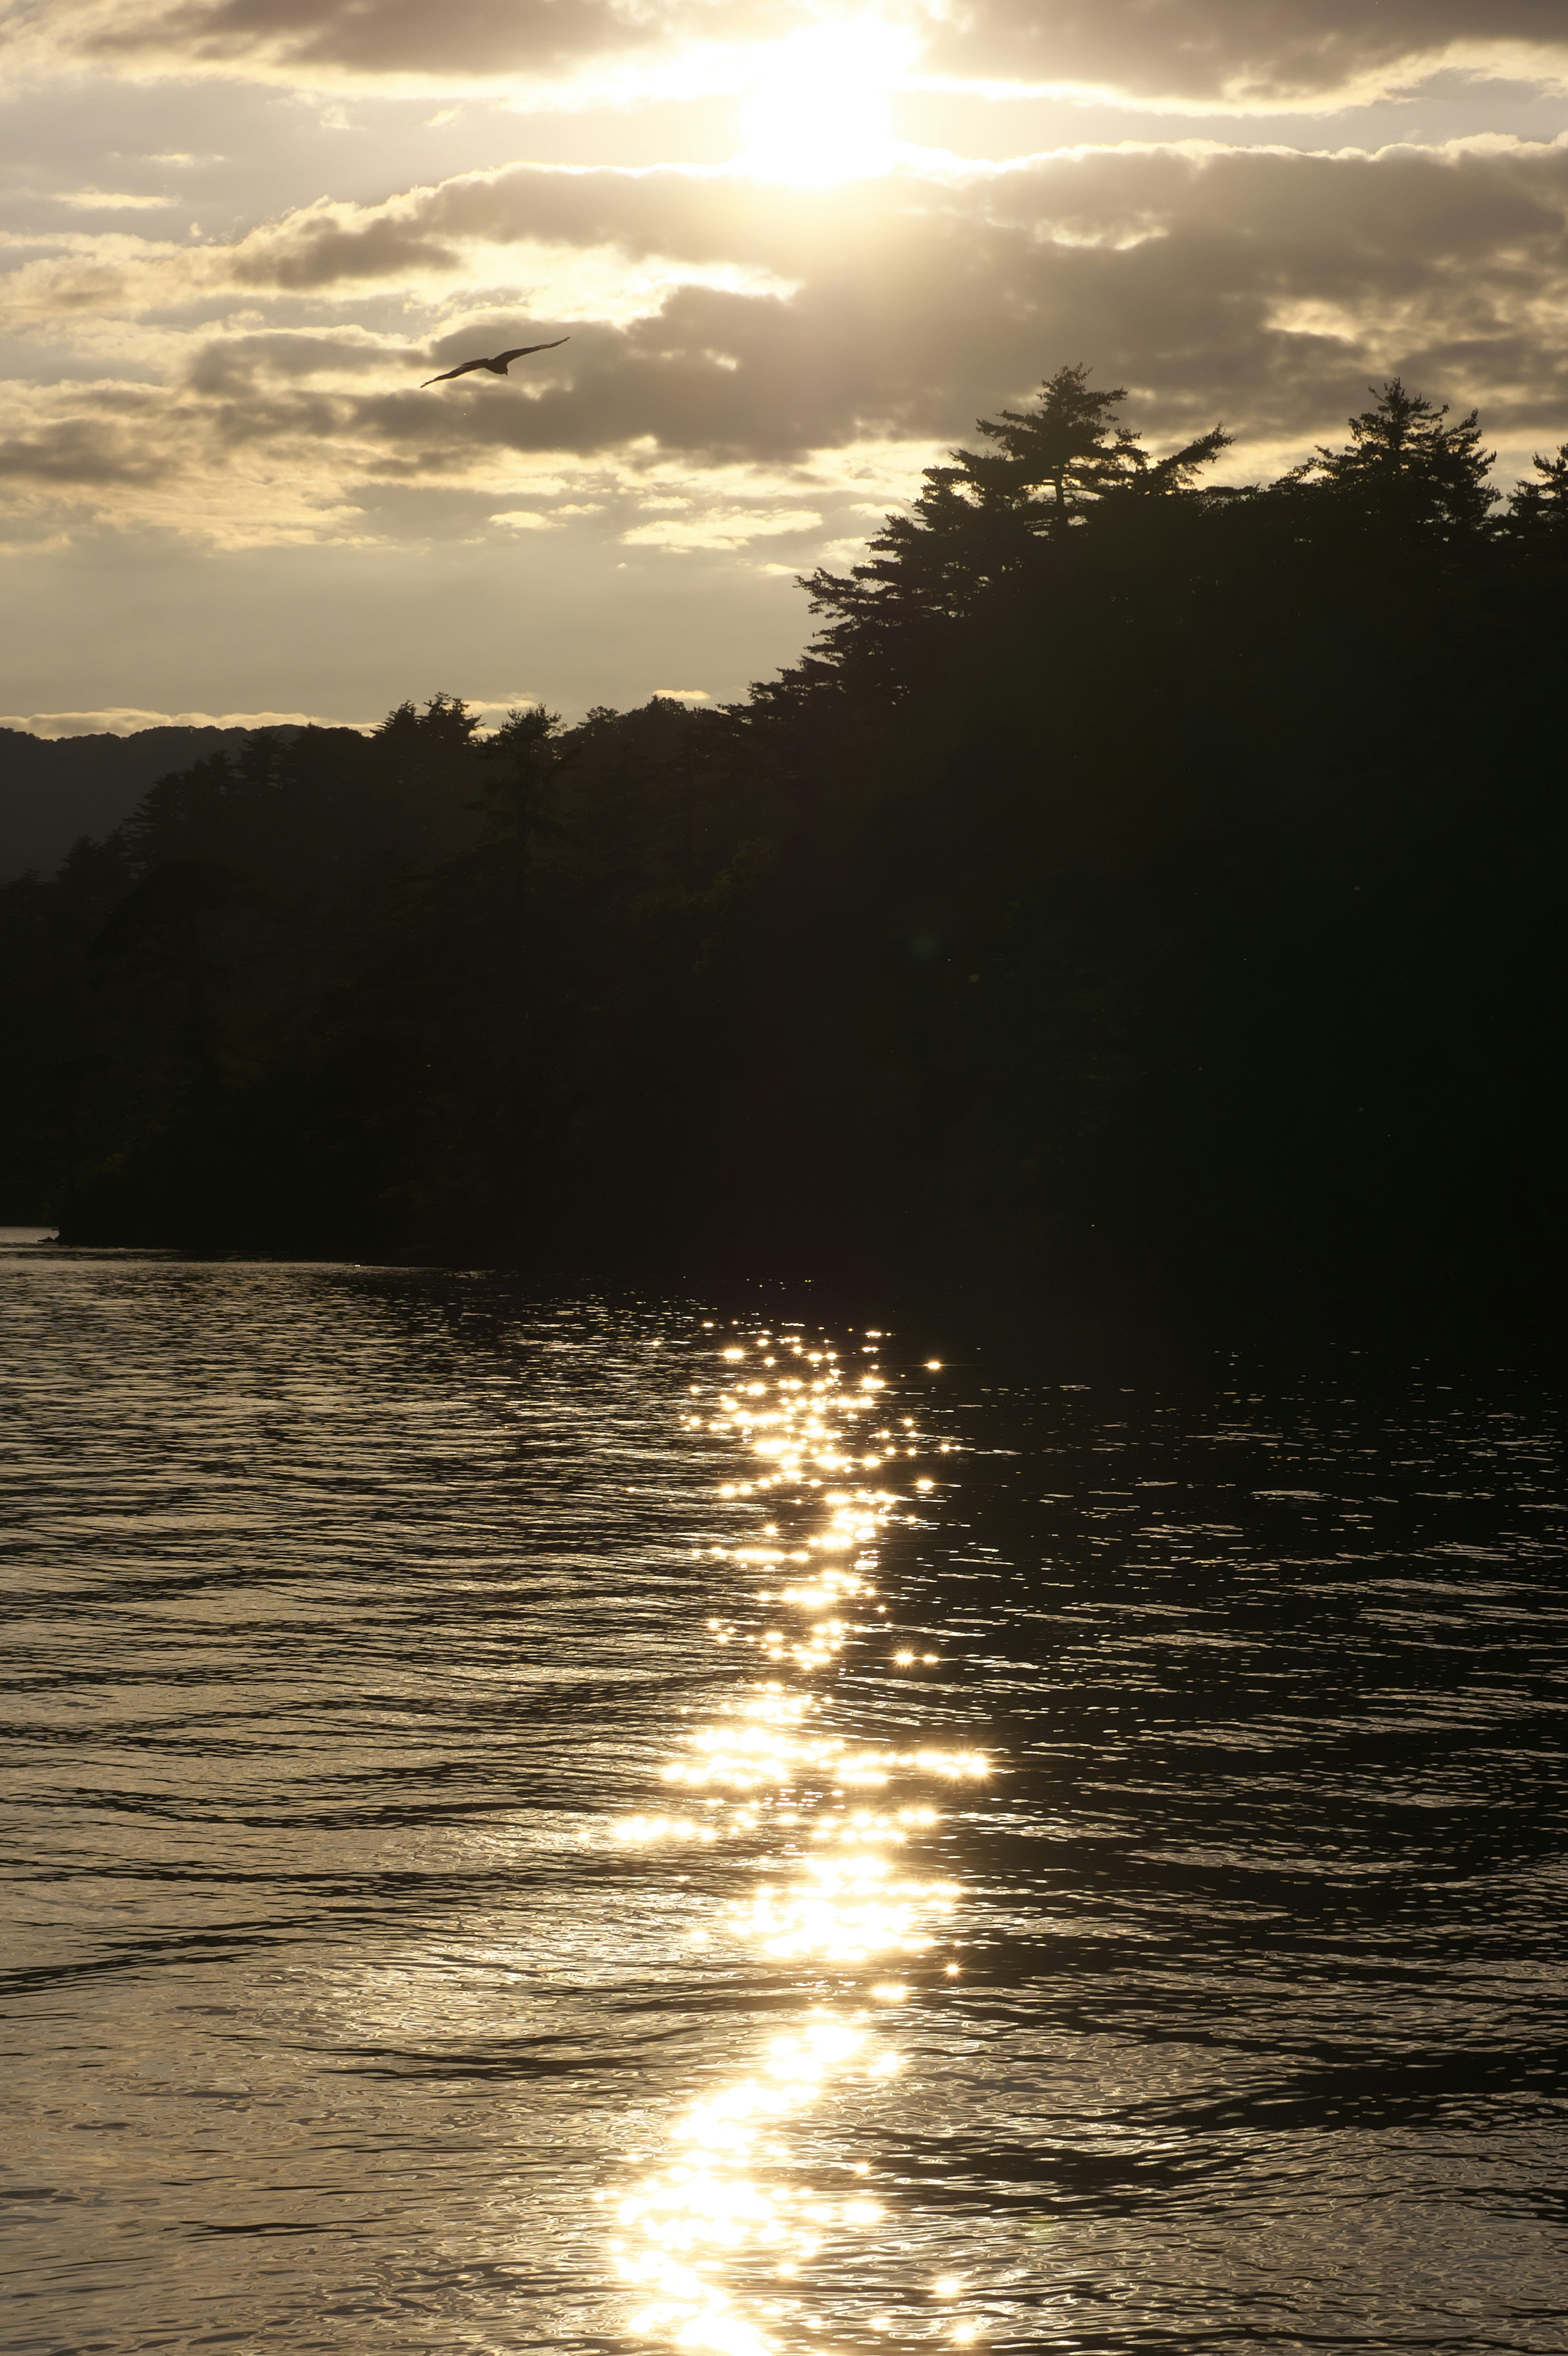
(500, 364)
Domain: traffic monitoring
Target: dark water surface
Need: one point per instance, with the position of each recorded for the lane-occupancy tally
(474, 1885)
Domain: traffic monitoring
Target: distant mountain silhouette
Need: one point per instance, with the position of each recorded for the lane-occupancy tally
(54, 791)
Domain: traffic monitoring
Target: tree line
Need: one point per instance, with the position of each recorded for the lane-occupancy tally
(1140, 902)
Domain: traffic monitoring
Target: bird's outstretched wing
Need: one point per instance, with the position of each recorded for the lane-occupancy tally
(456, 371)
(500, 364)
(524, 349)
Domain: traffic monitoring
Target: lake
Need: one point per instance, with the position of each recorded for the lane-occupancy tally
(539, 1824)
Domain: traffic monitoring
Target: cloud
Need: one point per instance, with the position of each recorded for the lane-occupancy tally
(92, 451)
(236, 365)
(720, 527)
(125, 719)
(912, 300)
(1246, 55)
(756, 370)
(1264, 286)
(462, 43)
(1249, 56)
(103, 201)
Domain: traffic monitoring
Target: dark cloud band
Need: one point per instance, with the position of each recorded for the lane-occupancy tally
(1259, 287)
(1247, 54)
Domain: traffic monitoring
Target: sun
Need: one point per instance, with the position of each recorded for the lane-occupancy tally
(817, 110)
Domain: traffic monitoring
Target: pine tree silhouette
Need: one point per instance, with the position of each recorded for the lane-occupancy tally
(1410, 469)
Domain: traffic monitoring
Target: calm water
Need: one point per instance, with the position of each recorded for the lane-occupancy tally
(523, 1833)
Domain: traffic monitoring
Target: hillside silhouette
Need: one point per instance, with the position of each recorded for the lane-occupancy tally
(54, 790)
(1140, 902)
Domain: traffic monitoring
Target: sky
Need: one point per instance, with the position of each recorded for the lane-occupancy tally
(796, 248)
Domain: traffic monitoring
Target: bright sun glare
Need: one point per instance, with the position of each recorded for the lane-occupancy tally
(818, 109)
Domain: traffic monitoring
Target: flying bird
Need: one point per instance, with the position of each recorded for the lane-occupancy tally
(500, 364)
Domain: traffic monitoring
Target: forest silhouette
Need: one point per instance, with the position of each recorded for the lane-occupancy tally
(1142, 901)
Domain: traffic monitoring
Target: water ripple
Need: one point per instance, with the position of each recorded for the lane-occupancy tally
(472, 1799)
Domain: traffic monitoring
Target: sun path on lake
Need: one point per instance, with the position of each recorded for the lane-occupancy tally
(836, 1912)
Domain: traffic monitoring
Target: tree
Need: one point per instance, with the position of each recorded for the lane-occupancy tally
(1538, 512)
(1143, 893)
(1403, 464)
(422, 763)
(518, 767)
(1072, 447)
(982, 517)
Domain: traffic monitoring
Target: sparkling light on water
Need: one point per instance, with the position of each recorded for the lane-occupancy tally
(718, 2243)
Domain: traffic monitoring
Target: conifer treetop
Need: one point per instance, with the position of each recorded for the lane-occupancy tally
(1072, 446)
(1403, 459)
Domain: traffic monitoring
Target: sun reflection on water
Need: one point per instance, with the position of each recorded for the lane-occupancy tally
(720, 2240)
